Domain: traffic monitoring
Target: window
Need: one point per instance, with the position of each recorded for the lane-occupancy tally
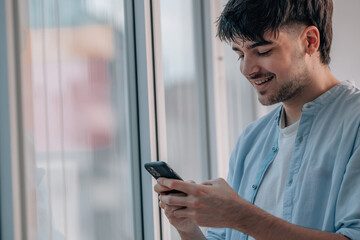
(180, 90)
(99, 87)
(76, 118)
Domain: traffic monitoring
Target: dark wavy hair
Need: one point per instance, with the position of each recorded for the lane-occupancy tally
(249, 20)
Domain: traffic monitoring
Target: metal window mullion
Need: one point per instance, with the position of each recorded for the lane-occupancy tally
(7, 228)
(159, 81)
(133, 120)
(159, 88)
(146, 114)
(17, 165)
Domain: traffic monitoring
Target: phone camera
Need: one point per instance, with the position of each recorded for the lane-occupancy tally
(154, 172)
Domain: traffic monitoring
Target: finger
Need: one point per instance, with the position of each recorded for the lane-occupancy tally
(207, 183)
(162, 204)
(169, 211)
(172, 208)
(214, 182)
(160, 189)
(179, 194)
(183, 213)
(182, 186)
(172, 200)
(190, 181)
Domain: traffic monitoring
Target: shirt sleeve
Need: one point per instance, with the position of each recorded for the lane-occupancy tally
(347, 215)
(216, 234)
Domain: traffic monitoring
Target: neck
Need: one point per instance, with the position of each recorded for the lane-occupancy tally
(320, 81)
(291, 115)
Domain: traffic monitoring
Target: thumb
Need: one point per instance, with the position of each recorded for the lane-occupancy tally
(218, 181)
(208, 183)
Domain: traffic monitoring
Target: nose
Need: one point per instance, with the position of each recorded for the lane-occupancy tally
(249, 67)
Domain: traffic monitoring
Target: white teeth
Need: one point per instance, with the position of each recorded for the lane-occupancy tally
(263, 81)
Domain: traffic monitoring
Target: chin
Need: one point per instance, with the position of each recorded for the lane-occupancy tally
(267, 101)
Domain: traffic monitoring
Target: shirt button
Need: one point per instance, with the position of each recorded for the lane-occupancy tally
(254, 187)
(274, 149)
(290, 182)
(300, 139)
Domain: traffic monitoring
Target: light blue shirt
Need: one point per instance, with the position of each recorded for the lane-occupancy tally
(323, 183)
(270, 194)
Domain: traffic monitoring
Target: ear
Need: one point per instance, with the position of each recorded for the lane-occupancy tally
(312, 39)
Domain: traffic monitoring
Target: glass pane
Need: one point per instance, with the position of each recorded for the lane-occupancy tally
(182, 80)
(76, 115)
(183, 87)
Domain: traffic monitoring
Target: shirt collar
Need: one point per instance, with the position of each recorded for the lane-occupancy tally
(324, 99)
(327, 97)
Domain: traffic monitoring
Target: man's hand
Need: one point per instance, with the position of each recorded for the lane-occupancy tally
(185, 226)
(182, 224)
(211, 204)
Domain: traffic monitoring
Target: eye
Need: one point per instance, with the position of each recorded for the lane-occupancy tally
(264, 53)
(240, 57)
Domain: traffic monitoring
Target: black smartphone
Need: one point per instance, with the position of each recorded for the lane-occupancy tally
(162, 169)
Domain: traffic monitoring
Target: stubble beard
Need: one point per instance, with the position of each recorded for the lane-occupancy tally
(288, 90)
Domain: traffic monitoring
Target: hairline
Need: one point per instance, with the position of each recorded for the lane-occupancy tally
(293, 29)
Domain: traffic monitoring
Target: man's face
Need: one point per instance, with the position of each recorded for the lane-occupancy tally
(275, 67)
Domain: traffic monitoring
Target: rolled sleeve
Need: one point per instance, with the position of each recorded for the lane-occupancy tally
(216, 234)
(347, 219)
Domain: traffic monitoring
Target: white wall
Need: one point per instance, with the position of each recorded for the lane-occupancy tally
(345, 53)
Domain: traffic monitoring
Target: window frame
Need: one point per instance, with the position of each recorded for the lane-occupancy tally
(147, 131)
(13, 191)
(13, 207)
(6, 209)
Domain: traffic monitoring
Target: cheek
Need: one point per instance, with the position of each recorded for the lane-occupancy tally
(241, 66)
(279, 67)
(271, 67)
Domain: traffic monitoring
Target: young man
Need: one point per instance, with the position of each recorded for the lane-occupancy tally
(295, 173)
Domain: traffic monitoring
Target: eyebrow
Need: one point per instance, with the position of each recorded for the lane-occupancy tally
(257, 44)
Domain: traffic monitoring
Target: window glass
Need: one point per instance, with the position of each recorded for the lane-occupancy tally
(76, 116)
(182, 74)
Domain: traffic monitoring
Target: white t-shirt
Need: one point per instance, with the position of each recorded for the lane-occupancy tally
(270, 195)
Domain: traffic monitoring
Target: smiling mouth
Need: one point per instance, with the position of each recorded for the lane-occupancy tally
(260, 82)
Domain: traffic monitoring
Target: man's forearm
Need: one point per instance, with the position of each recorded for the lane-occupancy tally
(264, 226)
(195, 234)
